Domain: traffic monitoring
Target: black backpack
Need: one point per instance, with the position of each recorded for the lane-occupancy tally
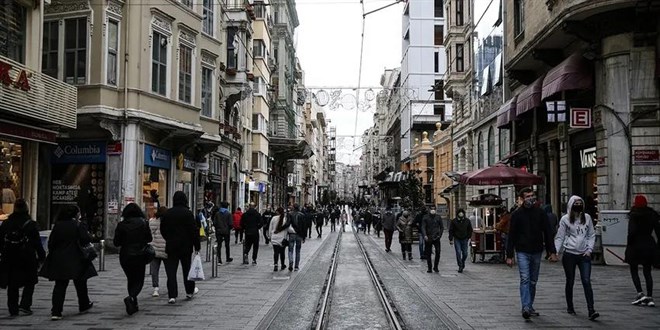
(16, 241)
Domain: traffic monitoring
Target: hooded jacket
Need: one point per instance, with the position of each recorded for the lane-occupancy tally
(157, 242)
(404, 226)
(223, 222)
(575, 238)
(460, 228)
(132, 235)
(389, 220)
(237, 219)
(179, 228)
(642, 249)
(251, 222)
(20, 267)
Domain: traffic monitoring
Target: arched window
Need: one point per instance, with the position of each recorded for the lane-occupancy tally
(504, 143)
(491, 146)
(480, 151)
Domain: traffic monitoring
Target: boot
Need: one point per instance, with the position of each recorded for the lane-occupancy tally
(404, 256)
(410, 256)
(275, 268)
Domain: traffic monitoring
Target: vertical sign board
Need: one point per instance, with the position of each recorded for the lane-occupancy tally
(614, 224)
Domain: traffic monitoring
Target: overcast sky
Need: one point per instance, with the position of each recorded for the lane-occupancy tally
(328, 46)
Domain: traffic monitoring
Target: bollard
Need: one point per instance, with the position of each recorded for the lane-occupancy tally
(214, 261)
(102, 256)
(209, 240)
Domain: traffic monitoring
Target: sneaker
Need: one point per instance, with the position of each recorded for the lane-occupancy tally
(526, 314)
(570, 311)
(533, 312)
(290, 268)
(230, 260)
(155, 294)
(172, 301)
(131, 306)
(593, 315)
(254, 262)
(275, 268)
(219, 262)
(55, 317)
(639, 299)
(436, 270)
(429, 271)
(86, 308)
(296, 269)
(25, 311)
(460, 270)
(649, 302)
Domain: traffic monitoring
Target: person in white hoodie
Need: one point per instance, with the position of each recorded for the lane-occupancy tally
(576, 238)
(278, 234)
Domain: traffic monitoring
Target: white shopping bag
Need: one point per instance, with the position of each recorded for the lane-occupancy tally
(196, 270)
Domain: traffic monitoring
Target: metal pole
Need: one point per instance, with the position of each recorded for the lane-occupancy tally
(214, 260)
(102, 256)
(208, 247)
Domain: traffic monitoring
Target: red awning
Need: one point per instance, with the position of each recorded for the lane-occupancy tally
(507, 113)
(530, 97)
(574, 73)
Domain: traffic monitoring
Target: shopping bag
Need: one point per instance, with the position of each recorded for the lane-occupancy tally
(202, 233)
(196, 272)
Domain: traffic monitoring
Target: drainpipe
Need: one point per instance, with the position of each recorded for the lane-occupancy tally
(126, 45)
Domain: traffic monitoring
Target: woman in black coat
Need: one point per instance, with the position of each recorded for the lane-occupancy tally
(65, 261)
(642, 249)
(20, 257)
(132, 236)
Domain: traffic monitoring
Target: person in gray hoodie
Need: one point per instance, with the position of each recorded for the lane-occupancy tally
(576, 237)
(389, 222)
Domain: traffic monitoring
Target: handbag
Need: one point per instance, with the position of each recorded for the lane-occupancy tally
(285, 242)
(88, 252)
(149, 253)
(196, 272)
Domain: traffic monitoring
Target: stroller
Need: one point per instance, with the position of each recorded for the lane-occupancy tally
(362, 225)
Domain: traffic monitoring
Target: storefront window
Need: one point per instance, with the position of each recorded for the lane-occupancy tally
(11, 161)
(154, 189)
(12, 31)
(184, 182)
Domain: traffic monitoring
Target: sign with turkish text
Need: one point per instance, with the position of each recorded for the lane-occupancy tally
(646, 157)
(157, 157)
(580, 118)
(27, 132)
(114, 148)
(89, 152)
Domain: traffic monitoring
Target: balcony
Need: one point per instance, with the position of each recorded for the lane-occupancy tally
(230, 132)
(32, 94)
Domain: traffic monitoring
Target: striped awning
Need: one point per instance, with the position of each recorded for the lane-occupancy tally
(507, 113)
(530, 97)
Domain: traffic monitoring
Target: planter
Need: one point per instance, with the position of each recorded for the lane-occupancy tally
(250, 76)
(230, 72)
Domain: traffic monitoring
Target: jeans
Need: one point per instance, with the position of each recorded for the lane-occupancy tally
(319, 230)
(429, 248)
(265, 233)
(528, 266)
(278, 254)
(569, 261)
(421, 245)
(13, 294)
(226, 239)
(634, 272)
(388, 238)
(133, 268)
(171, 267)
(461, 248)
(59, 293)
(333, 225)
(295, 242)
(251, 242)
(154, 266)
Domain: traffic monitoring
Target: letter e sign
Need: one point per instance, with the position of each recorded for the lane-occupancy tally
(580, 118)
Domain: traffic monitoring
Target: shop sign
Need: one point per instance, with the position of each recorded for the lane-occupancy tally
(20, 80)
(600, 161)
(203, 166)
(157, 157)
(182, 162)
(27, 132)
(580, 118)
(91, 152)
(588, 158)
(646, 157)
(113, 207)
(114, 148)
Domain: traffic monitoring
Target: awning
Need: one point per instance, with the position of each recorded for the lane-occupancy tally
(450, 188)
(574, 73)
(394, 178)
(507, 113)
(530, 97)
(453, 175)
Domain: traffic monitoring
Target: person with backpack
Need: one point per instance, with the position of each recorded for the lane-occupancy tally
(296, 220)
(21, 250)
(223, 222)
(132, 236)
(65, 261)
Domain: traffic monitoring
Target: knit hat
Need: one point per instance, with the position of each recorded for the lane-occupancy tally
(640, 201)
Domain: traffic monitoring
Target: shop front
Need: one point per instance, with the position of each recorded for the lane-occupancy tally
(155, 178)
(185, 178)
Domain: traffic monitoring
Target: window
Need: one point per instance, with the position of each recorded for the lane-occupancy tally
(439, 110)
(460, 65)
(207, 92)
(113, 46)
(260, 10)
(438, 9)
(75, 50)
(259, 48)
(49, 57)
(232, 47)
(480, 151)
(255, 122)
(208, 25)
(12, 31)
(436, 62)
(159, 64)
(518, 17)
(439, 90)
(259, 161)
(504, 143)
(259, 86)
(185, 73)
(459, 13)
(187, 3)
(491, 146)
(439, 36)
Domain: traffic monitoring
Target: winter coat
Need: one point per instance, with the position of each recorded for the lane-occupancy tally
(296, 220)
(405, 227)
(265, 219)
(529, 232)
(460, 228)
(642, 248)
(223, 222)
(432, 227)
(277, 237)
(65, 260)
(20, 268)
(179, 228)
(575, 238)
(131, 236)
(157, 242)
(237, 220)
(251, 222)
(389, 221)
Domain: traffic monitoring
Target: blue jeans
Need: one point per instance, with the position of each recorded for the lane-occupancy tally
(461, 248)
(294, 242)
(569, 261)
(421, 246)
(528, 266)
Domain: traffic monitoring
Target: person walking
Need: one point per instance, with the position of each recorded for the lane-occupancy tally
(432, 229)
(266, 217)
(642, 249)
(21, 250)
(158, 243)
(576, 238)
(404, 225)
(460, 231)
(344, 220)
(528, 231)
(389, 224)
(251, 223)
(278, 236)
(296, 221)
(334, 217)
(378, 222)
(223, 222)
(310, 215)
(132, 236)
(65, 261)
(238, 231)
(418, 224)
(181, 233)
(319, 221)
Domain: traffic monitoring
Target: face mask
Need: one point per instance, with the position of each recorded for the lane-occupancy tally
(578, 208)
(432, 211)
(529, 202)
(460, 215)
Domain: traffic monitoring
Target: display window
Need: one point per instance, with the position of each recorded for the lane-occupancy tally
(184, 182)
(11, 165)
(154, 189)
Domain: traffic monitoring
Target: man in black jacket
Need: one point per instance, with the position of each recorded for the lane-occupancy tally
(528, 229)
(418, 223)
(251, 223)
(296, 220)
(432, 229)
(223, 222)
(460, 230)
(266, 217)
(181, 233)
(319, 221)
